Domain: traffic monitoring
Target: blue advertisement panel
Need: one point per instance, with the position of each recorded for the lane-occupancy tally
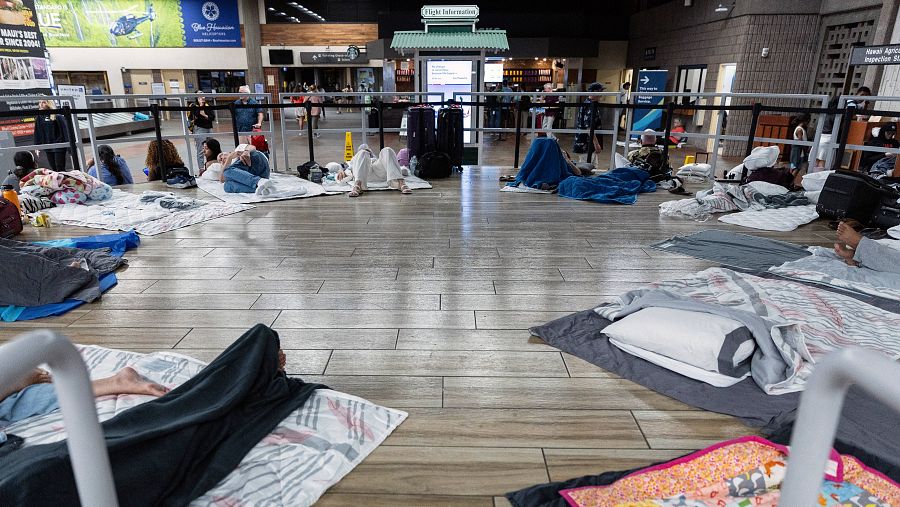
(649, 81)
(209, 23)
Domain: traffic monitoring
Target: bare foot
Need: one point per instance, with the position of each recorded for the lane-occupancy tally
(282, 360)
(127, 381)
(37, 376)
(845, 253)
(847, 235)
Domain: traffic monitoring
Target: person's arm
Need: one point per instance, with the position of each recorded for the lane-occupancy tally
(877, 257)
(259, 117)
(211, 114)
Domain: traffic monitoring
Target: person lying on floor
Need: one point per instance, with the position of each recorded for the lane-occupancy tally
(365, 169)
(649, 149)
(246, 172)
(35, 395)
(860, 251)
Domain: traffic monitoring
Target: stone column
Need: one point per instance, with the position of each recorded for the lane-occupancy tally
(252, 40)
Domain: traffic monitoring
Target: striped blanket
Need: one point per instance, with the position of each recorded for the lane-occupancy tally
(311, 450)
(806, 322)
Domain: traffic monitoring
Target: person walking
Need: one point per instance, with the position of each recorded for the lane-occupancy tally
(315, 111)
(51, 128)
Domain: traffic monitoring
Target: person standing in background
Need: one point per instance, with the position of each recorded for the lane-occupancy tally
(50, 129)
(247, 117)
(315, 110)
(201, 117)
(550, 110)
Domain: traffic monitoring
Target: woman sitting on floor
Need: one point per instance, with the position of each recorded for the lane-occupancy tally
(246, 172)
(112, 169)
(211, 151)
(170, 157)
(365, 168)
(25, 163)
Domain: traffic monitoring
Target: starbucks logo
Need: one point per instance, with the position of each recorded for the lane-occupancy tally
(210, 11)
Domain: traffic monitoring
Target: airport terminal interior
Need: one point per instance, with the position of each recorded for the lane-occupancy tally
(395, 253)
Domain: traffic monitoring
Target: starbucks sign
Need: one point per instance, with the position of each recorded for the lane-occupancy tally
(450, 12)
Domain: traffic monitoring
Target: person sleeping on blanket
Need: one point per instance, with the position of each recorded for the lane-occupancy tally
(246, 172)
(863, 252)
(365, 168)
(34, 395)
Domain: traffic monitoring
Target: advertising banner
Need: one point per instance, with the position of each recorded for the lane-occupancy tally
(24, 69)
(136, 24)
(649, 81)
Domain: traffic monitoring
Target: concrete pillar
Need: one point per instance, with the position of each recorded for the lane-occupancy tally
(884, 31)
(890, 78)
(252, 40)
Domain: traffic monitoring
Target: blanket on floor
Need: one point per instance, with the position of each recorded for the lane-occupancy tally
(113, 245)
(414, 183)
(620, 185)
(71, 187)
(191, 439)
(723, 198)
(776, 219)
(824, 266)
(285, 186)
(125, 211)
(740, 251)
(743, 471)
(544, 165)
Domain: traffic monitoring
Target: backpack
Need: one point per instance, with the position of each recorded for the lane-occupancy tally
(433, 165)
(10, 220)
(303, 170)
(259, 142)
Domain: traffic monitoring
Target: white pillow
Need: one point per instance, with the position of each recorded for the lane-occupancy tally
(709, 342)
(697, 170)
(761, 156)
(766, 188)
(814, 182)
(712, 378)
(621, 161)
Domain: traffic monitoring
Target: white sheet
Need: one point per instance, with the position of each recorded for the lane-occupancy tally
(414, 182)
(780, 219)
(523, 189)
(311, 450)
(286, 187)
(824, 266)
(125, 211)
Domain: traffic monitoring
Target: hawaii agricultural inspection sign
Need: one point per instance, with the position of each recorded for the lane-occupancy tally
(876, 55)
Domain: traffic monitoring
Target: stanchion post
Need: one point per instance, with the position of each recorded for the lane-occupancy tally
(309, 130)
(380, 104)
(845, 132)
(234, 124)
(157, 127)
(71, 133)
(754, 121)
(591, 134)
(670, 111)
(518, 118)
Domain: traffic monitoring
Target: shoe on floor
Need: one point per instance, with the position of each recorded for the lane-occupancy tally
(181, 181)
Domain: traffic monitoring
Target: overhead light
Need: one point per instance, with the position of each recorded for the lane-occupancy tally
(270, 9)
(721, 8)
(282, 14)
(535, 58)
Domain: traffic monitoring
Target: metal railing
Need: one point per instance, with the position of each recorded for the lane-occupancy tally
(87, 448)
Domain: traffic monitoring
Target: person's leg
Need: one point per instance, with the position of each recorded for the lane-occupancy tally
(239, 181)
(37, 399)
(822, 156)
(57, 160)
(547, 125)
(127, 381)
(388, 160)
(361, 165)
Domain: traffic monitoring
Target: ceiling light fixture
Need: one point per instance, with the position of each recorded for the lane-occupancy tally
(306, 11)
(270, 9)
(724, 8)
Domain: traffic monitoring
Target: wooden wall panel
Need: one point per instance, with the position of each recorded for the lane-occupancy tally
(318, 34)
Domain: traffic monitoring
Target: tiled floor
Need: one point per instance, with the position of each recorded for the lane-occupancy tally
(422, 303)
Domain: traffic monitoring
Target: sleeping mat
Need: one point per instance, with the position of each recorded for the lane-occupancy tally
(171, 450)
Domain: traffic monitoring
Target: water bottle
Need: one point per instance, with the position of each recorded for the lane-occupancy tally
(10, 194)
(315, 174)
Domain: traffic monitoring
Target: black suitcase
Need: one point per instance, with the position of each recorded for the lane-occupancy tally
(854, 195)
(450, 134)
(886, 217)
(420, 131)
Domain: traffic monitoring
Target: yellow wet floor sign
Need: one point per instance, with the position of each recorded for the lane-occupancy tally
(348, 146)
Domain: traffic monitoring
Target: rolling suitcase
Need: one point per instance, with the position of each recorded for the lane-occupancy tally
(854, 195)
(450, 134)
(420, 131)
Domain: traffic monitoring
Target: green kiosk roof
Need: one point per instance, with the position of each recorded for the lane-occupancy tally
(440, 39)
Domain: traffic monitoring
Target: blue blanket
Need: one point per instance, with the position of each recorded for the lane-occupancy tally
(117, 243)
(620, 185)
(544, 165)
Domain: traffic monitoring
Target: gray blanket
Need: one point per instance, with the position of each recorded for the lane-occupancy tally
(740, 251)
(35, 275)
(867, 428)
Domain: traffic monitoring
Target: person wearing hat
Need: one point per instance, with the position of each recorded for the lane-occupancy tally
(876, 161)
(584, 121)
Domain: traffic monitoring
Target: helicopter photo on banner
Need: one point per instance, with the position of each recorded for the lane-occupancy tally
(139, 24)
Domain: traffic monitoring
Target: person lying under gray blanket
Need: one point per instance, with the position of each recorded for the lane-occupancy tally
(35, 275)
(857, 250)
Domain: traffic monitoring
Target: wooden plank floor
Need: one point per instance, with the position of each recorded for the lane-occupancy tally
(422, 303)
